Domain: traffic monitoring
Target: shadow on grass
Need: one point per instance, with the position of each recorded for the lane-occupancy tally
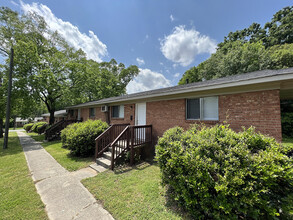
(174, 206)
(125, 168)
(79, 158)
(13, 146)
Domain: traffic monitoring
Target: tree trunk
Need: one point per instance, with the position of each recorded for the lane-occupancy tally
(52, 118)
(1, 127)
(14, 122)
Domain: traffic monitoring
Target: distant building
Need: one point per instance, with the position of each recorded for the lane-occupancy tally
(59, 115)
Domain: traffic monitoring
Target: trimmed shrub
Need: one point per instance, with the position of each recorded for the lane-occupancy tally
(36, 125)
(41, 128)
(216, 173)
(27, 127)
(79, 138)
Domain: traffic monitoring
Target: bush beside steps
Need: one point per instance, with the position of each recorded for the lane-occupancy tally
(216, 173)
(79, 138)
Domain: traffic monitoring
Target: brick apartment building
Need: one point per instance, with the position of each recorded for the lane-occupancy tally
(251, 99)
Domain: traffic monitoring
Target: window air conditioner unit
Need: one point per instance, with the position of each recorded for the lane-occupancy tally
(104, 108)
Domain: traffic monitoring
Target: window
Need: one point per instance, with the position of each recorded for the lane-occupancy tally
(118, 111)
(92, 112)
(193, 108)
(202, 108)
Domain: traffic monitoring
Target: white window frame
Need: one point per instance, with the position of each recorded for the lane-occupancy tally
(201, 110)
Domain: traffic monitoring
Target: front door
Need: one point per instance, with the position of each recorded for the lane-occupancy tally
(140, 116)
(140, 119)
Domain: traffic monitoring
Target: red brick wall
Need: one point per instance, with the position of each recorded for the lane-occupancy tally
(167, 114)
(259, 109)
(129, 110)
(85, 114)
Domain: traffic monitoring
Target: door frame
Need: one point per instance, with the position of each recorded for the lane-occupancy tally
(136, 112)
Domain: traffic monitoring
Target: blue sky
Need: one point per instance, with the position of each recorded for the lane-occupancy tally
(164, 38)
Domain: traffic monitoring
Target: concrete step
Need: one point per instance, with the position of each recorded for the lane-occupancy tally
(98, 168)
(107, 155)
(105, 162)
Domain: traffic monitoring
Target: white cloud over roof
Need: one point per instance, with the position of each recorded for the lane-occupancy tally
(147, 80)
(182, 46)
(90, 44)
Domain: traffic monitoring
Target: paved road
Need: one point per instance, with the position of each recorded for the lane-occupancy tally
(61, 191)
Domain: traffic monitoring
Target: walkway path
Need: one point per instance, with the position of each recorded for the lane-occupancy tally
(61, 191)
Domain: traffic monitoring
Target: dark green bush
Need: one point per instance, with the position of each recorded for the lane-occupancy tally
(27, 127)
(287, 124)
(35, 126)
(79, 138)
(216, 173)
(41, 128)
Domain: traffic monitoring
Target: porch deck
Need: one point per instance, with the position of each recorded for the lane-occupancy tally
(119, 139)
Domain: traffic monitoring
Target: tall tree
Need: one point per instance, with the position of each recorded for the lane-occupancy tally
(253, 48)
(48, 69)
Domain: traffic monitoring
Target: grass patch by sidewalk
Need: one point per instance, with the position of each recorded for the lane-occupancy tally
(18, 196)
(133, 193)
(37, 137)
(62, 155)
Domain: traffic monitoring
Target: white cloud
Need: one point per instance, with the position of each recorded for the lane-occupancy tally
(176, 75)
(145, 38)
(90, 43)
(183, 45)
(172, 18)
(140, 61)
(147, 80)
(14, 3)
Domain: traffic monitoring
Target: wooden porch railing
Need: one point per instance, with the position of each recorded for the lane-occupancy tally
(123, 140)
(56, 128)
(107, 137)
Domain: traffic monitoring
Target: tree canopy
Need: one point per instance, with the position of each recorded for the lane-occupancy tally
(47, 70)
(251, 49)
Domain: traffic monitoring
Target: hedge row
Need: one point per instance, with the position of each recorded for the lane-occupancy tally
(38, 127)
(216, 173)
(27, 127)
(79, 138)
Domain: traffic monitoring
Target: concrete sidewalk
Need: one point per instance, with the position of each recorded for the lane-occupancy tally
(61, 191)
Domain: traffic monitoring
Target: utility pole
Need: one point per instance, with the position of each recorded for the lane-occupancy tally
(8, 100)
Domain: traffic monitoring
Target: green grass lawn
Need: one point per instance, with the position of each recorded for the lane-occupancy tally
(18, 196)
(62, 155)
(21, 128)
(37, 137)
(133, 193)
(287, 141)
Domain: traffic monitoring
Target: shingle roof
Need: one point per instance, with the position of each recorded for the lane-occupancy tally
(56, 113)
(190, 86)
